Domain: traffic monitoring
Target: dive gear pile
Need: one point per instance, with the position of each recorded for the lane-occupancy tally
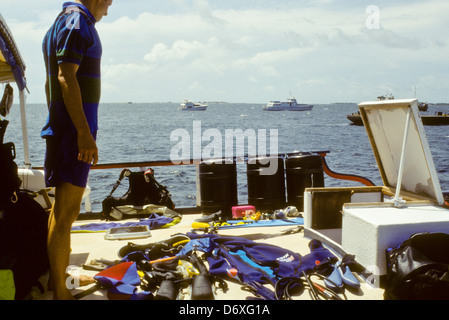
(419, 268)
(193, 266)
(23, 229)
(143, 190)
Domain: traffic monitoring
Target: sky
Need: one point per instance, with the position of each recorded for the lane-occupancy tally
(255, 51)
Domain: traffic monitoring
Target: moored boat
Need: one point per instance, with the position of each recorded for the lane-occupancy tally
(386, 97)
(422, 106)
(355, 119)
(437, 119)
(290, 105)
(188, 105)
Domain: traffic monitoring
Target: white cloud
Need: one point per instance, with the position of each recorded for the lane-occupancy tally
(179, 51)
(206, 13)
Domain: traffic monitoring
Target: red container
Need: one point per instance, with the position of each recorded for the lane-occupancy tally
(243, 211)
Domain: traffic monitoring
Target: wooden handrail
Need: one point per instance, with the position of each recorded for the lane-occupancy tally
(341, 176)
(163, 163)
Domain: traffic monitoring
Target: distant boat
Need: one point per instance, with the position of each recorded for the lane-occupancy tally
(422, 106)
(188, 105)
(438, 119)
(289, 105)
(381, 98)
(356, 119)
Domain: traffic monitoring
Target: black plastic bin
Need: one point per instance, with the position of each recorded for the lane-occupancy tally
(266, 189)
(302, 171)
(218, 187)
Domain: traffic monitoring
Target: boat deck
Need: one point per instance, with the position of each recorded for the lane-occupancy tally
(90, 246)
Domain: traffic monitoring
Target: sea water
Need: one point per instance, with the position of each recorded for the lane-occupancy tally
(137, 132)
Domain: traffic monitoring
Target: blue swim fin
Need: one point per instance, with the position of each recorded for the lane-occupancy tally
(335, 278)
(347, 276)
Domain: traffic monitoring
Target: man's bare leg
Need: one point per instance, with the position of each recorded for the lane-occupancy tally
(64, 212)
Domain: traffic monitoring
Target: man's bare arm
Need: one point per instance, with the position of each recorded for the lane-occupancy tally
(47, 92)
(87, 148)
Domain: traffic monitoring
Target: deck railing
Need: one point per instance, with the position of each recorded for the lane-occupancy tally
(243, 159)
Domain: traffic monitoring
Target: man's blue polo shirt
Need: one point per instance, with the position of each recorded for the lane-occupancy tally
(73, 38)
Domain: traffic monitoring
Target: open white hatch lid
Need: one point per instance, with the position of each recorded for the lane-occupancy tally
(400, 147)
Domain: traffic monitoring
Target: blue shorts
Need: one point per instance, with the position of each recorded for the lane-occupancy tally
(61, 162)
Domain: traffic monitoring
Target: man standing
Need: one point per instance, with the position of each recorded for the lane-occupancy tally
(72, 53)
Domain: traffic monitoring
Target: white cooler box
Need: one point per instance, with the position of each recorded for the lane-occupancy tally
(389, 215)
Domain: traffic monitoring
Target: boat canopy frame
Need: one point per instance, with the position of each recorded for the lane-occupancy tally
(12, 69)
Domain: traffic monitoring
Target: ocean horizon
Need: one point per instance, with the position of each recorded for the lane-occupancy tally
(138, 132)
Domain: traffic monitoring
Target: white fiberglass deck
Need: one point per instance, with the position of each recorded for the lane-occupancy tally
(90, 246)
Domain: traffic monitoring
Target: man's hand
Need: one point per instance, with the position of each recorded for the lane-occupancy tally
(88, 151)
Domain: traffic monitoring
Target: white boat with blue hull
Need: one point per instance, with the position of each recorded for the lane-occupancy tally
(290, 105)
